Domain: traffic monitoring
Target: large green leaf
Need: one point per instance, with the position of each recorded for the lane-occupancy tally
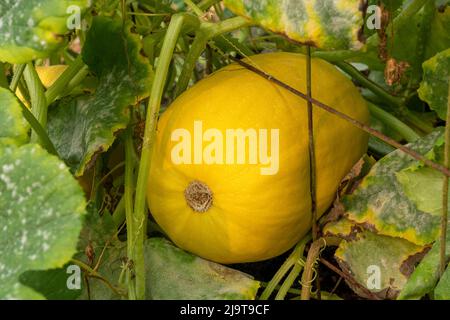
(381, 204)
(323, 23)
(434, 88)
(41, 208)
(13, 126)
(173, 274)
(81, 127)
(392, 258)
(31, 29)
(97, 232)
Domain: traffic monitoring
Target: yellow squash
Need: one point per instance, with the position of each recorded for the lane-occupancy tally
(231, 201)
(48, 76)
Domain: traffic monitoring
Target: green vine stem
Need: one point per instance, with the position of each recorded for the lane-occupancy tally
(206, 4)
(397, 104)
(140, 212)
(39, 131)
(37, 95)
(444, 219)
(128, 203)
(206, 32)
(3, 79)
(293, 258)
(94, 274)
(18, 72)
(392, 122)
(60, 85)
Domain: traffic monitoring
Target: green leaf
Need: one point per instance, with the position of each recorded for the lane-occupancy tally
(442, 291)
(13, 126)
(84, 126)
(174, 274)
(436, 80)
(381, 204)
(370, 255)
(323, 23)
(426, 274)
(97, 232)
(52, 284)
(41, 208)
(31, 29)
(423, 187)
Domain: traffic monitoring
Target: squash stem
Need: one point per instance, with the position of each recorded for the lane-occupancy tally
(37, 95)
(206, 32)
(444, 219)
(18, 72)
(140, 210)
(3, 79)
(392, 122)
(130, 218)
(285, 267)
(61, 83)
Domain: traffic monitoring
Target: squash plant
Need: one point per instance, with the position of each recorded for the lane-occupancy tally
(94, 206)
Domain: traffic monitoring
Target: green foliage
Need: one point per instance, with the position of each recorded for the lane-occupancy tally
(31, 238)
(13, 127)
(31, 29)
(325, 24)
(175, 274)
(113, 53)
(436, 81)
(382, 205)
(389, 255)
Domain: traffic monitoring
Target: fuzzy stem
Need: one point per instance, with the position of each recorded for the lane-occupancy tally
(18, 72)
(3, 79)
(285, 267)
(444, 219)
(38, 130)
(38, 101)
(391, 121)
(140, 211)
(128, 202)
(59, 86)
(206, 32)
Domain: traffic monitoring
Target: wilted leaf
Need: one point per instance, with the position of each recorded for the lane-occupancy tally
(342, 228)
(31, 29)
(370, 256)
(84, 126)
(379, 203)
(13, 126)
(177, 275)
(434, 88)
(325, 24)
(41, 208)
